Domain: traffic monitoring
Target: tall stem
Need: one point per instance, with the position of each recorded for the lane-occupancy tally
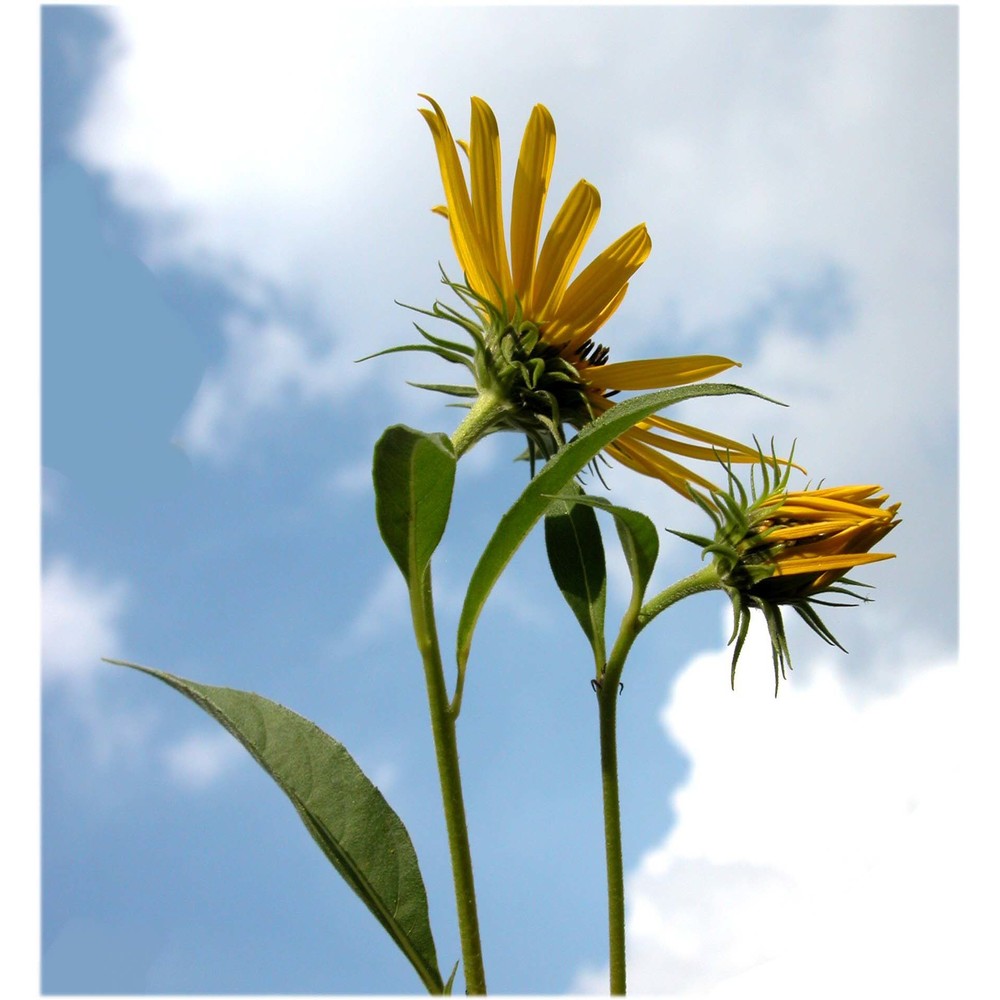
(446, 749)
(608, 707)
(635, 620)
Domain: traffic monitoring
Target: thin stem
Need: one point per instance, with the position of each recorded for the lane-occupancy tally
(446, 749)
(697, 583)
(634, 621)
(607, 701)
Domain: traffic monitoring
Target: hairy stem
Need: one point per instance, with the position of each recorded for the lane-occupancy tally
(446, 749)
(477, 421)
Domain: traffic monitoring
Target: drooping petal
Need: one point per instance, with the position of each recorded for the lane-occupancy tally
(531, 185)
(633, 453)
(723, 448)
(562, 249)
(487, 204)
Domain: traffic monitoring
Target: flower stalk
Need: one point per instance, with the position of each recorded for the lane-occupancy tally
(483, 414)
(607, 687)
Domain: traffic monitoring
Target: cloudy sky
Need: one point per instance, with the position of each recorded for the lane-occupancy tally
(232, 205)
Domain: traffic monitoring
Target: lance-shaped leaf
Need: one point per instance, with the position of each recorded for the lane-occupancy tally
(414, 474)
(639, 538)
(346, 814)
(550, 481)
(576, 555)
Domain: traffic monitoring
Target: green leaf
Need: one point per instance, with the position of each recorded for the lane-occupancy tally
(346, 814)
(640, 542)
(576, 555)
(414, 474)
(558, 471)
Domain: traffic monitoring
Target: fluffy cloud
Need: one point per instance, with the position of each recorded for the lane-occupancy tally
(767, 150)
(828, 843)
(199, 760)
(80, 621)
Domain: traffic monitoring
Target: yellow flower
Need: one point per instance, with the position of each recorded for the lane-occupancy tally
(537, 322)
(791, 548)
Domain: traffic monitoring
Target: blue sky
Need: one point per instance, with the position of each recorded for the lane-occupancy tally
(220, 243)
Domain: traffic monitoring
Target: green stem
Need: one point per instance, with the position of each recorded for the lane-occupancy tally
(477, 421)
(446, 749)
(607, 701)
(697, 583)
(634, 621)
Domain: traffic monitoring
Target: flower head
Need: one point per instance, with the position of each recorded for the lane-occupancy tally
(791, 548)
(536, 364)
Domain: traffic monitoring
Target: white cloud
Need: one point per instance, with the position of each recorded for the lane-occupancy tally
(385, 606)
(828, 843)
(762, 146)
(269, 365)
(80, 621)
(197, 761)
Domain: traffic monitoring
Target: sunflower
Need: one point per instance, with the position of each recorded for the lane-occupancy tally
(537, 365)
(791, 548)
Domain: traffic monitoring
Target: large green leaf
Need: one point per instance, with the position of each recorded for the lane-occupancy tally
(558, 471)
(576, 555)
(346, 814)
(414, 474)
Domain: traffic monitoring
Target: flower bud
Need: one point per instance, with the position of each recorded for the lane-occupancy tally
(791, 548)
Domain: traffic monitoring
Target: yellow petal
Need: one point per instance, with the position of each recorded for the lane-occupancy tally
(720, 448)
(799, 509)
(634, 454)
(463, 227)
(568, 339)
(661, 373)
(561, 250)
(487, 206)
(793, 565)
(531, 185)
(600, 281)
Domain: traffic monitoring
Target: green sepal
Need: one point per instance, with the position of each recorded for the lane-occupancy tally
(741, 625)
(700, 540)
(452, 356)
(810, 616)
(347, 816)
(465, 391)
